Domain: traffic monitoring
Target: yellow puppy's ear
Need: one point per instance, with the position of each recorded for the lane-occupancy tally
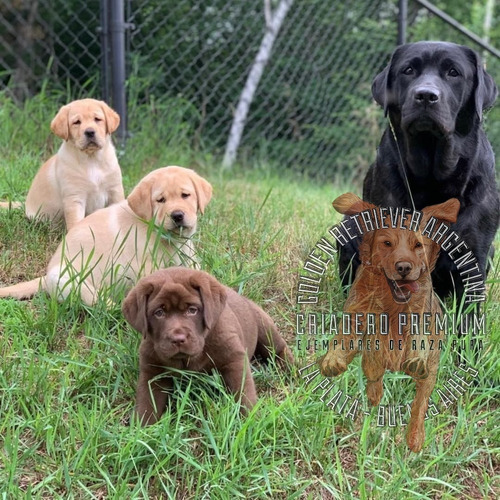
(350, 204)
(203, 191)
(139, 200)
(112, 118)
(60, 125)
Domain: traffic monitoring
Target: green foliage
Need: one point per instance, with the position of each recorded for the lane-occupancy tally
(69, 372)
(312, 112)
(52, 40)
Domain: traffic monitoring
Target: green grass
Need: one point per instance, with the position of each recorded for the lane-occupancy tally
(68, 372)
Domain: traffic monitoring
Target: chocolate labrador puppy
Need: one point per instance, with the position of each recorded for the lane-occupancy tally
(188, 320)
(434, 148)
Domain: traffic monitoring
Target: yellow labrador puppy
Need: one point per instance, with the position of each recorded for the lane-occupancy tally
(84, 175)
(125, 241)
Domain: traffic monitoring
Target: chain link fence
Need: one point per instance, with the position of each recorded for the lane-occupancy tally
(49, 42)
(312, 110)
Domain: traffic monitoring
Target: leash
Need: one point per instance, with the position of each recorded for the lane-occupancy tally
(401, 163)
(402, 167)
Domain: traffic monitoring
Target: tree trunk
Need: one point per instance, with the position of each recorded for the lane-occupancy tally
(488, 19)
(263, 55)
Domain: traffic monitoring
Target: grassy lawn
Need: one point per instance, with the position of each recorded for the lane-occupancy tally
(68, 372)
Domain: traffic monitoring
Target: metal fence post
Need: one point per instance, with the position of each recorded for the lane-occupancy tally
(402, 20)
(103, 31)
(117, 28)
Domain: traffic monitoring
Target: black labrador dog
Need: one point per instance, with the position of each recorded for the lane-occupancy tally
(434, 149)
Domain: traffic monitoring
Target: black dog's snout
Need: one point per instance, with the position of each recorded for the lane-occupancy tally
(426, 95)
(177, 216)
(89, 133)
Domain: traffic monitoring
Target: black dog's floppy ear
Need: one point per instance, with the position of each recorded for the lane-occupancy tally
(380, 88)
(486, 90)
(213, 296)
(135, 306)
(382, 83)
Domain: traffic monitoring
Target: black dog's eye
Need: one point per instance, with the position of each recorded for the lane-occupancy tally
(159, 313)
(161, 199)
(77, 122)
(387, 243)
(185, 195)
(453, 72)
(408, 71)
(191, 311)
(418, 244)
(97, 119)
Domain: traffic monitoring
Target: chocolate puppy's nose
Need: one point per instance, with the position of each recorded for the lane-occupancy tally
(178, 339)
(89, 133)
(177, 216)
(403, 268)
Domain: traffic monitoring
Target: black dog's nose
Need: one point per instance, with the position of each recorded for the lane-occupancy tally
(89, 133)
(403, 268)
(426, 95)
(177, 216)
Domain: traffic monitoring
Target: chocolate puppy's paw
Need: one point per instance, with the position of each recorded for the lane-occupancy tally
(285, 358)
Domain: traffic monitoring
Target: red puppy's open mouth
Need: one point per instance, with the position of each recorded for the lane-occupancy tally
(402, 289)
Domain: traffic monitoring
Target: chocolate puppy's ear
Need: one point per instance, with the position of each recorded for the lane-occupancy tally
(213, 296)
(135, 306)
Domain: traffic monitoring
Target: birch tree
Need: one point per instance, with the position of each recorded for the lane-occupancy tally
(274, 22)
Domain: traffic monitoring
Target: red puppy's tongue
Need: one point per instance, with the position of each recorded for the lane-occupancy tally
(411, 286)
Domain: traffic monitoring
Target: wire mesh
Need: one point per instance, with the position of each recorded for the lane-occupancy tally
(312, 111)
(49, 41)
